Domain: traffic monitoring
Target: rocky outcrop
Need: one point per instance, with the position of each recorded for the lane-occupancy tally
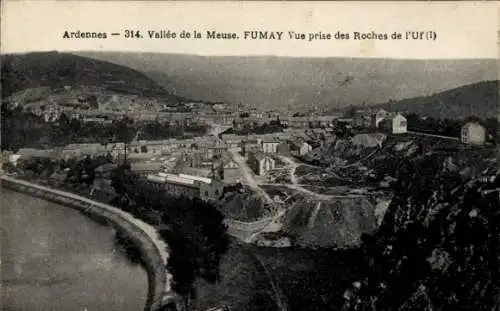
(438, 247)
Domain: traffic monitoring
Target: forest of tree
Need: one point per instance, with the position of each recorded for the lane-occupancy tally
(195, 232)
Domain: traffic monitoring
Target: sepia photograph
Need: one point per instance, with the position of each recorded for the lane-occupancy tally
(241, 160)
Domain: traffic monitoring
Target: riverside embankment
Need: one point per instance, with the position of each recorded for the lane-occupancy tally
(154, 250)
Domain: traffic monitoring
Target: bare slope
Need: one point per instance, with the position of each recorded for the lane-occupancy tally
(316, 222)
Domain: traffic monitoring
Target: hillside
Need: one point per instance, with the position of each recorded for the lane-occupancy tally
(317, 222)
(35, 76)
(301, 83)
(437, 247)
(480, 99)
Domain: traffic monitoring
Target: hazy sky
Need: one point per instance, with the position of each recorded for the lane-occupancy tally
(463, 29)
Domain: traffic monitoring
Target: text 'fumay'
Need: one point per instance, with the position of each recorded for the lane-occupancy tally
(338, 35)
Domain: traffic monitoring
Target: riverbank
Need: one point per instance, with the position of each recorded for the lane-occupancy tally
(154, 251)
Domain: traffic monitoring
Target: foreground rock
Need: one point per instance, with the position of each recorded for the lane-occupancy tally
(438, 245)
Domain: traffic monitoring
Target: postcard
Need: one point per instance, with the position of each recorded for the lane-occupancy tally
(249, 156)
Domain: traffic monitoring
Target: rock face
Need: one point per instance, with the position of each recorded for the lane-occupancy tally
(438, 247)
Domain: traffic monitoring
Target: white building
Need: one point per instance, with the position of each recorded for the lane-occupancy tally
(473, 133)
(260, 162)
(300, 148)
(270, 146)
(396, 124)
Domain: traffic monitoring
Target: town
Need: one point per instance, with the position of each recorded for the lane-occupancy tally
(227, 147)
(234, 207)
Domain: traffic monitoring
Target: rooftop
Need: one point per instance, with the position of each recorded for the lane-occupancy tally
(197, 178)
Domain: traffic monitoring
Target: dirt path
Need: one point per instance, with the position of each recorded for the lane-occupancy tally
(274, 225)
(295, 183)
(249, 176)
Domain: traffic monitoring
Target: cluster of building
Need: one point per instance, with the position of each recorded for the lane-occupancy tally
(472, 132)
(260, 152)
(100, 109)
(185, 113)
(198, 167)
(380, 120)
(209, 157)
(287, 121)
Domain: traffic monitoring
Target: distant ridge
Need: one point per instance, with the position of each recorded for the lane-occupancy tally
(477, 99)
(293, 83)
(54, 70)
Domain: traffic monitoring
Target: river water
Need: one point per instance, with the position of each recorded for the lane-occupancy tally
(54, 258)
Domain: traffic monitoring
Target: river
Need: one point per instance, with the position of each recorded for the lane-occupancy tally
(55, 258)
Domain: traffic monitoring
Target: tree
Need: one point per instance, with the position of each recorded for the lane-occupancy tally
(412, 120)
(197, 236)
(144, 149)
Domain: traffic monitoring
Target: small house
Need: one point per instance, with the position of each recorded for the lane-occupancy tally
(394, 124)
(260, 162)
(270, 145)
(209, 148)
(300, 148)
(473, 133)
